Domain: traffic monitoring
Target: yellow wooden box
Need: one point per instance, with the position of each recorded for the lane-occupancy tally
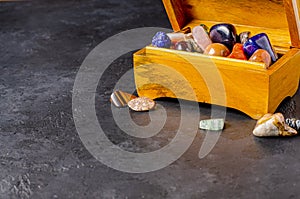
(238, 84)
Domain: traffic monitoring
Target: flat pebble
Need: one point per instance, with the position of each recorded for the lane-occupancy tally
(141, 104)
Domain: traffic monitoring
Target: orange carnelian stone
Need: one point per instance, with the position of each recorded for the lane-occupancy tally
(238, 52)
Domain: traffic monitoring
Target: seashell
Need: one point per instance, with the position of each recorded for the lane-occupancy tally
(293, 123)
(141, 104)
(273, 125)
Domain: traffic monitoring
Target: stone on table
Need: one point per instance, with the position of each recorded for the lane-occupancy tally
(141, 104)
(212, 124)
(120, 99)
(273, 125)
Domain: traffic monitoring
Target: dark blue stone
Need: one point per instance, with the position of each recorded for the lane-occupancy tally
(250, 47)
(161, 40)
(260, 41)
(223, 33)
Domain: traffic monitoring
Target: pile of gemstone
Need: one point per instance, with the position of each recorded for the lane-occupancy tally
(220, 40)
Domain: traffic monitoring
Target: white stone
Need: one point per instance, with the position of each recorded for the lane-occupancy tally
(141, 104)
(273, 125)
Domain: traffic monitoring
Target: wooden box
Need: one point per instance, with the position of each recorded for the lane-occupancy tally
(238, 84)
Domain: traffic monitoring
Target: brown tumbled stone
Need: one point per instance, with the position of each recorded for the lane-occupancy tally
(263, 56)
(217, 49)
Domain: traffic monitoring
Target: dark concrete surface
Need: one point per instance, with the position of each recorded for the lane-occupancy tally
(42, 45)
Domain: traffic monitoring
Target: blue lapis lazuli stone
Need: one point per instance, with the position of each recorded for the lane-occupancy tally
(161, 40)
(259, 41)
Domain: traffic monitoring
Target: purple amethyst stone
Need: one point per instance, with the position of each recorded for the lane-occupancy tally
(161, 40)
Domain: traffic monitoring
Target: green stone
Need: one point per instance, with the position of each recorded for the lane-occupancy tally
(212, 124)
(205, 28)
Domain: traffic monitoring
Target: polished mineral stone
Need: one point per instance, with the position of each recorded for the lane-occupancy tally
(217, 49)
(263, 56)
(205, 28)
(161, 40)
(178, 36)
(141, 104)
(212, 124)
(184, 46)
(250, 47)
(273, 125)
(259, 41)
(238, 52)
(244, 36)
(223, 33)
(194, 45)
(201, 37)
(120, 98)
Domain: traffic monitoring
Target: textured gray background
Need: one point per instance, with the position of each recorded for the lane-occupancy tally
(42, 45)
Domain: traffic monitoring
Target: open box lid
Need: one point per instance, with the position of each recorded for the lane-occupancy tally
(279, 19)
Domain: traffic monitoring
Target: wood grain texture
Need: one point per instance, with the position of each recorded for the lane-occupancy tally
(242, 85)
(238, 84)
(292, 13)
(275, 17)
(176, 14)
(284, 78)
(262, 13)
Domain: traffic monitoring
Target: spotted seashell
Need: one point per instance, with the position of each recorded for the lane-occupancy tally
(273, 125)
(293, 123)
(141, 104)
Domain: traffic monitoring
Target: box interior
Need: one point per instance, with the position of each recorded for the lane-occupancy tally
(255, 16)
